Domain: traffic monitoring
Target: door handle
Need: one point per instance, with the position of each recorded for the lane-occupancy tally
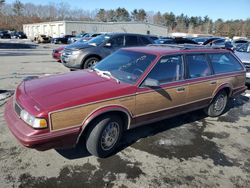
(213, 82)
(180, 89)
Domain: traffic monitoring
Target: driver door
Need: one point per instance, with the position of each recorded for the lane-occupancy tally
(153, 103)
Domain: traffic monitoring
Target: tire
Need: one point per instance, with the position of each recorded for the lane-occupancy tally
(105, 135)
(90, 62)
(218, 104)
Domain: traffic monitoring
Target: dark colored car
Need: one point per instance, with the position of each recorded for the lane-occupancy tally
(84, 55)
(76, 38)
(210, 40)
(61, 40)
(176, 40)
(131, 87)
(89, 36)
(19, 35)
(200, 40)
(221, 43)
(5, 35)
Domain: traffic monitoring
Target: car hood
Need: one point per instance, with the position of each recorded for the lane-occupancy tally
(79, 45)
(243, 56)
(74, 88)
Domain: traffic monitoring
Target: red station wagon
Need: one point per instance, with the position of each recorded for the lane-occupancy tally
(132, 87)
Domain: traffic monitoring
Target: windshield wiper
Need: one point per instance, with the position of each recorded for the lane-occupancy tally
(106, 74)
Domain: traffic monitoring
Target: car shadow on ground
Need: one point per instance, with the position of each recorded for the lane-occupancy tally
(7, 45)
(132, 136)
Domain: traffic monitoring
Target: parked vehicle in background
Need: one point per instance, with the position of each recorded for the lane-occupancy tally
(76, 38)
(42, 39)
(131, 87)
(243, 52)
(4, 35)
(89, 36)
(210, 40)
(61, 40)
(239, 42)
(56, 53)
(153, 37)
(176, 40)
(84, 55)
(18, 35)
(221, 43)
(200, 40)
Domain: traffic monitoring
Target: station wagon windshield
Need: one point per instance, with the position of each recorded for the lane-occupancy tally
(125, 66)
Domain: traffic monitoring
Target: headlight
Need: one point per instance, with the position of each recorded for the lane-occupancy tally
(32, 121)
(75, 52)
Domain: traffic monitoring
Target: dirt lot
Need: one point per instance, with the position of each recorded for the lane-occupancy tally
(186, 151)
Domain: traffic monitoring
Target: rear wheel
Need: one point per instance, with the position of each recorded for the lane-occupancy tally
(105, 135)
(90, 62)
(218, 105)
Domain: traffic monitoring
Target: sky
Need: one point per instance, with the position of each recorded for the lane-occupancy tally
(224, 9)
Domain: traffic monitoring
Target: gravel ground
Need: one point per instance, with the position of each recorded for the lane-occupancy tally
(190, 150)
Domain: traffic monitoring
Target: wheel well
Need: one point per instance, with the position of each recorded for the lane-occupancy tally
(90, 125)
(89, 56)
(227, 90)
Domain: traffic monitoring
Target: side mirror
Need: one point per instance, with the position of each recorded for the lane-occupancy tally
(149, 82)
(108, 44)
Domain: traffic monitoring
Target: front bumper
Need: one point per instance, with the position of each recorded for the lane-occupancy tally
(42, 139)
(70, 61)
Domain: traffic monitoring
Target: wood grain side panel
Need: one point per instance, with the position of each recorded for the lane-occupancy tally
(157, 100)
(201, 90)
(75, 116)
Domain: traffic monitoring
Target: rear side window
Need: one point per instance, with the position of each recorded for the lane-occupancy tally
(168, 69)
(223, 63)
(131, 40)
(198, 66)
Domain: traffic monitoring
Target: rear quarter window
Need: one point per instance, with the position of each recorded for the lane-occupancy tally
(198, 66)
(223, 63)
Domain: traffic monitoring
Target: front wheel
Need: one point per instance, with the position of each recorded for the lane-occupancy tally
(218, 105)
(90, 62)
(105, 135)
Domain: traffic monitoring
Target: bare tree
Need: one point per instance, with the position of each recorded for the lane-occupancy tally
(63, 9)
(17, 7)
(1, 5)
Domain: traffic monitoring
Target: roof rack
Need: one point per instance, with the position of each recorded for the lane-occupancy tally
(185, 46)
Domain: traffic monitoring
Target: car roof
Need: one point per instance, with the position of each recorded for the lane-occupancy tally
(158, 49)
(120, 33)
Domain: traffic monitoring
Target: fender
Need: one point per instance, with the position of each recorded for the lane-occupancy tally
(226, 85)
(102, 110)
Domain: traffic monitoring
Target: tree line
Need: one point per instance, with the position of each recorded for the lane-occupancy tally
(14, 15)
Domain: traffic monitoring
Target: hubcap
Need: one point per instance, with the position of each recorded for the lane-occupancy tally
(220, 103)
(91, 63)
(110, 136)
